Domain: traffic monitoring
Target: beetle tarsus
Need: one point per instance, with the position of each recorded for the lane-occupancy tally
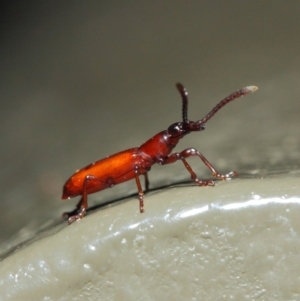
(228, 176)
(141, 200)
(76, 211)
(78, 216)
(204, 182)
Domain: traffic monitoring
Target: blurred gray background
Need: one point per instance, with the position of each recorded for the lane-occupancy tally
(81, 80)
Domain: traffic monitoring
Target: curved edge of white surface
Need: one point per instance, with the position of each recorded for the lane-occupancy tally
(237, 241)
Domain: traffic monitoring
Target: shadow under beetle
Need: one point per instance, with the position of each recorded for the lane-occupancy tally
(131, 163)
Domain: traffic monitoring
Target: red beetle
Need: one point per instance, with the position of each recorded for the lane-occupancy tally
(131, 163)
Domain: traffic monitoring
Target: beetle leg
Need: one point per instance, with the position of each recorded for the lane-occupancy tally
(82, 206)
(73, 212)
(189, 152)
(140, 190)
(79, 215)
(146, 182)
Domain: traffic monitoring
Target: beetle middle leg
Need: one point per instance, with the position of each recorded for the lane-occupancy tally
(146, 182)
(189, 152)
(140, 190)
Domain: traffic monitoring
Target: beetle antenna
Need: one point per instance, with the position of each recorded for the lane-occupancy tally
(222, 103)
(184, 95)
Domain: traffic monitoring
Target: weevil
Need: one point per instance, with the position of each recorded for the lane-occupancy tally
(131, 163)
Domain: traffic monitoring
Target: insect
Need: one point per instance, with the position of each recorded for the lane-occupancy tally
(131, 163)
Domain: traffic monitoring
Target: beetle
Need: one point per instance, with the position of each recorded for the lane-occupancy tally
(131, 163)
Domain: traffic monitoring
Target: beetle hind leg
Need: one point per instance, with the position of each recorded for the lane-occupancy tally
(76, 211)
(80, 211)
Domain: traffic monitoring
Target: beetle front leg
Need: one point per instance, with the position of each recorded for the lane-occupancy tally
(189, 152)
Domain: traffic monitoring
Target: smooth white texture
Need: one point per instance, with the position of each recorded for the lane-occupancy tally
(237, 241)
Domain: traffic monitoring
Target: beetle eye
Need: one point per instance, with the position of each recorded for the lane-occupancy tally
(174, 129)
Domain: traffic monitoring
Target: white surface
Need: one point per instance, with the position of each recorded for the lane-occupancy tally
(236, 241)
